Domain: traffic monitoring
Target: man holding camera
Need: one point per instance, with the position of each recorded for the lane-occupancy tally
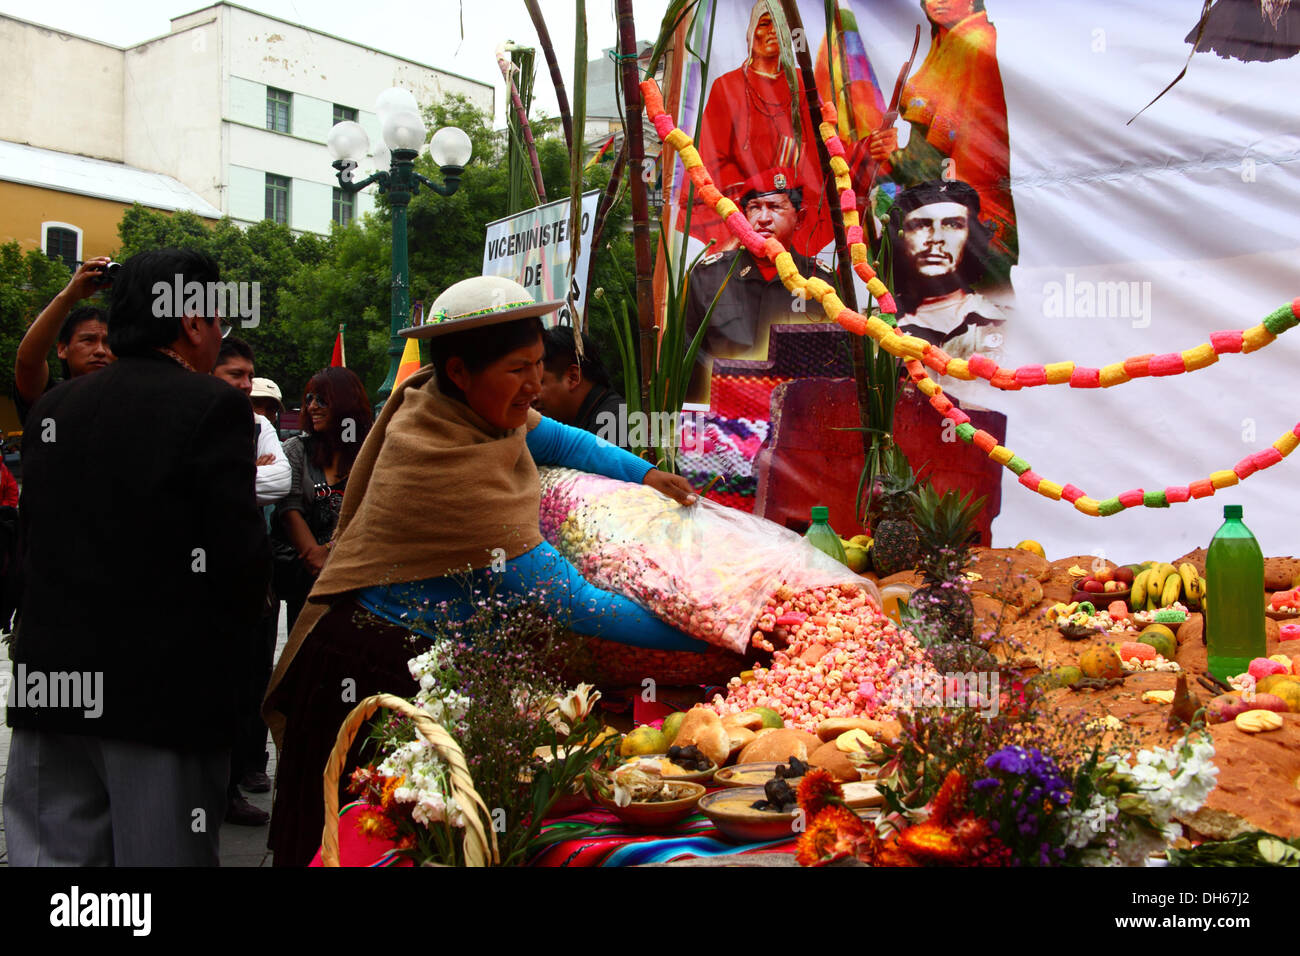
(81, 335)
(168, 562)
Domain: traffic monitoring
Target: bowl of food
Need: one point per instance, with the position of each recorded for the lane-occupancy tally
(641, 797)
(680, 763)
(745, 815)
(759, 773)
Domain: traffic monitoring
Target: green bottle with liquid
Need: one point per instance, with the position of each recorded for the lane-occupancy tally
(1234, 583)
(823, 537)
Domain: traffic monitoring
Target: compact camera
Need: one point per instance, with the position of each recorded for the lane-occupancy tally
(109, 273)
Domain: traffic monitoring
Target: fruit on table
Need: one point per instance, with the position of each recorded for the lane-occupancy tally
(1032, 546)
(856, 558)
(1161, 638)
(644, 741)
(1225, 707)
(896, 544)
(1101, 662)
(862, 541)
(1288, 689)
(672, 724)
(770, 717)
(943, 606)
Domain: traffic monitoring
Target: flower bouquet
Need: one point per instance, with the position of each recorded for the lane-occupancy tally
(465, 773)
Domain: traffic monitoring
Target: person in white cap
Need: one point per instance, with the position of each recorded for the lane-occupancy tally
(267, 400)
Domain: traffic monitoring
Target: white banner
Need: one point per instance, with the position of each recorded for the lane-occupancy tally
(532, 248)
(1127, 238)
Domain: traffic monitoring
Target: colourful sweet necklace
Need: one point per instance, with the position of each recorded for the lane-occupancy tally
(917, 353)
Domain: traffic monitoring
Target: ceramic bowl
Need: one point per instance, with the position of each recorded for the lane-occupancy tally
(731, 812)
(656, 815)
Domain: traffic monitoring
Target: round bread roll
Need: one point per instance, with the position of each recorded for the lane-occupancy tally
(738, 737)
(780, 746)
(748, 720)
(882, 731)
(702, 727)
(835, 761)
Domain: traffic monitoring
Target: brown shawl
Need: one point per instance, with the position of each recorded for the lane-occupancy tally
(434, 489)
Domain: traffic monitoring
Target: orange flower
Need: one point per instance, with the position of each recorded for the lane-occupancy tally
(390, 784)
(949, 800)
(373, 823)
(817, 791)
(836, 834)
(931, 843)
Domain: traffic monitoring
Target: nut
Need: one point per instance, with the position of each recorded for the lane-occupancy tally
(1258, 721)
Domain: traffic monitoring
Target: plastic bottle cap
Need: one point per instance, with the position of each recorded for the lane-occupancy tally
(1229, 511)
(823, 513)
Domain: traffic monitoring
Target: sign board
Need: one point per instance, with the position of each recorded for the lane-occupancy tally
(532, 247)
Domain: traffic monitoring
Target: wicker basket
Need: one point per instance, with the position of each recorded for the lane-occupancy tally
(480, 841)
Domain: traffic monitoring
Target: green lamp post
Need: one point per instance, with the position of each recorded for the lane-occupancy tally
(403, 132)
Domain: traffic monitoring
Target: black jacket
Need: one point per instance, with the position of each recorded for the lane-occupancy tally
(143, 551)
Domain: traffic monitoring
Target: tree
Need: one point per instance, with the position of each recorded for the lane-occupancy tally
(28, 281)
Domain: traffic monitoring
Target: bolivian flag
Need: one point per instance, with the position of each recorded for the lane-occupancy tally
(410, 361)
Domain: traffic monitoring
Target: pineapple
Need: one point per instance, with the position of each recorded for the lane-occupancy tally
(945, 525)
(895, 542)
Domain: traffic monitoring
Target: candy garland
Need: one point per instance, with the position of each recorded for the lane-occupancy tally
(917, 353)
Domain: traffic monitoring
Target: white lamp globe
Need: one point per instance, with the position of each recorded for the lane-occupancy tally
(347, 140)
(382, 158)
(450, 147)
(404, 130)
(395, 100)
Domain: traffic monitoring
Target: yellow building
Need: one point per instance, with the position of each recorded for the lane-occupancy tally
(69, 206)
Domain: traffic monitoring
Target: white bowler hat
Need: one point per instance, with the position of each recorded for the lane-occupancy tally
(482, 300)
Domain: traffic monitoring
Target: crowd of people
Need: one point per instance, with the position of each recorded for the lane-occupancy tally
(204, 524)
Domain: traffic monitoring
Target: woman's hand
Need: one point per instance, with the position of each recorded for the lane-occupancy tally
(673, 486)
(314, 558)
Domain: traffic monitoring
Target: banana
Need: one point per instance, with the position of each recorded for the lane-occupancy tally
(1173, 588)
(1156, 581)
(1191, 580)
(1138, 597)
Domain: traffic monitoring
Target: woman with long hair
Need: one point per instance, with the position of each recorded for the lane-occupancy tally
(335, 420)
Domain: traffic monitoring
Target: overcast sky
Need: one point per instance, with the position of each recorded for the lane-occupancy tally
(428, 33)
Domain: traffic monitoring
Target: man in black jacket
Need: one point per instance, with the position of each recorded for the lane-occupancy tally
(139, 587)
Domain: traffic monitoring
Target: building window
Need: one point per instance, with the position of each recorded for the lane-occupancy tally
(344, 206)
(344, 114)
(277, 198)
(278, 109)
(63, 242)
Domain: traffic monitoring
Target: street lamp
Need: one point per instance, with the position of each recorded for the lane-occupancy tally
(404, 133)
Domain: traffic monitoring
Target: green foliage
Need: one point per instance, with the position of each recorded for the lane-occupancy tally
(311, 284)
(28, 281)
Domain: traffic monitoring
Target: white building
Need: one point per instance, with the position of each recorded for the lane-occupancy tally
(232, 103)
